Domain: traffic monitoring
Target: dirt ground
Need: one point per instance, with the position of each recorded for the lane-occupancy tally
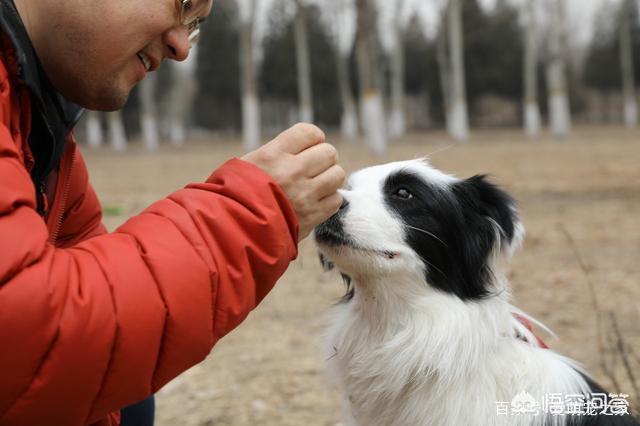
(580, 202)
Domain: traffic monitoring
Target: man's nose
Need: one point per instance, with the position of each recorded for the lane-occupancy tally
(176, 43)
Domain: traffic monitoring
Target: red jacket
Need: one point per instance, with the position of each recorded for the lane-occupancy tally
(91, 322)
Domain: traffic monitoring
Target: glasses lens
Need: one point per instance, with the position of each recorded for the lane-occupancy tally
(194, 36)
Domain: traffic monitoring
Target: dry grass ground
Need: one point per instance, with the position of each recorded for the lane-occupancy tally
(580, 202)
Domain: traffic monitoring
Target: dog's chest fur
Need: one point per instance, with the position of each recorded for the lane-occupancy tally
(426, 366)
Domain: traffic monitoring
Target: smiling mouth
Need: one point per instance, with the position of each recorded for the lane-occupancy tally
(145, 60)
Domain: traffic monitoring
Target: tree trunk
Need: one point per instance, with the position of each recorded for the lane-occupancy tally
(559, 112)
(250, 102)
(183, 91)
(349, 120)
(397, 121)
(94, 129)
(531, 108)
(305, 93)
(628, 74)
(373, 119)
(149, 112)
(458, 113)
(117, 135)
(443, 71)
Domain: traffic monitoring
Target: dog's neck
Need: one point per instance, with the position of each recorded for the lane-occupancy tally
(404, 310)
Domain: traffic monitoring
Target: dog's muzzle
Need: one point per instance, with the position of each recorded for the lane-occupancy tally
(331, 232)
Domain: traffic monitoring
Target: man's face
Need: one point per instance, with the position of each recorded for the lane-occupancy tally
(94, 51)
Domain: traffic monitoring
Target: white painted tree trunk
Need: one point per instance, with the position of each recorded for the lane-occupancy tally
(149, 112)
(117, 134)
(349, 123)
(443, 72)
(251, 121)
(349, 119)
(373, 122)
(372, 106)
(628, 73)
(532, 120)
(95, 136)
(303, 62)
(559, 110)
(250, 102)
(459, 118)
(183, 92)
(397, 120)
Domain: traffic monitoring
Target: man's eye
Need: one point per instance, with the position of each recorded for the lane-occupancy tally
(403, 194)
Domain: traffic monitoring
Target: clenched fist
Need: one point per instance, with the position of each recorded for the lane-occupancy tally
(307, 169)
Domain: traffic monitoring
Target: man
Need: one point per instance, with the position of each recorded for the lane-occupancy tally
(91, 322)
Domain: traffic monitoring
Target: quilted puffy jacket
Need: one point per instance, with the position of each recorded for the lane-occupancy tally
(90, 321)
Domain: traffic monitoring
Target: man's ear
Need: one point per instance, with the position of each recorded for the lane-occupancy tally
(326, 264)
(498, 206)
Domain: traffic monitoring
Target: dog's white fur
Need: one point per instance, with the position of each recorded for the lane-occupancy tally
(404, 353)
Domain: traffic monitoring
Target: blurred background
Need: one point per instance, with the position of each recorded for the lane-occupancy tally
(539, 94)
(262, 65)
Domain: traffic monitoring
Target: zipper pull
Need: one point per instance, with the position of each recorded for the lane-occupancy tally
(43, 202)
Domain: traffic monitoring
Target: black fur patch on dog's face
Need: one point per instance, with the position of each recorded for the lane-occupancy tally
(453, 228)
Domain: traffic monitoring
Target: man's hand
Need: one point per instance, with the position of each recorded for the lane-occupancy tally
(307, 169)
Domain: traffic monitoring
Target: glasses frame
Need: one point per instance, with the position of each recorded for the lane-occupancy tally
(192, 24)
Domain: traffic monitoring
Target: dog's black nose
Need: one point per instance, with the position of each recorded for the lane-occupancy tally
(344, 204)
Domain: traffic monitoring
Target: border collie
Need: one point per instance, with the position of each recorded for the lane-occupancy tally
(425, 334)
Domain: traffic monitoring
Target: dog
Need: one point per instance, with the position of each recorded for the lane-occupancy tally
(425, 334)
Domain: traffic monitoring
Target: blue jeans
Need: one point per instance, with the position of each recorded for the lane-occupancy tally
(139, 414)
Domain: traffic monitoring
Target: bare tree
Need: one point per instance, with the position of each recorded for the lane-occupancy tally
(149, 112)
(182, 96)
(397, 120)
(95, 136)
(250, 103)
(531, 107)
(559, 112)
(372, 108)
(459, 128)
(442, 57)
(626, 57)
(116, 132)
(340, 20)
(303, 62)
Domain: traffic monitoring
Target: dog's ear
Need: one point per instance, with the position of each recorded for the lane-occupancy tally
(326, 264)
(493, 203)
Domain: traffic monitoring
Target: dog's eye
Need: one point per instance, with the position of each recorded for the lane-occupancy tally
(403, 194)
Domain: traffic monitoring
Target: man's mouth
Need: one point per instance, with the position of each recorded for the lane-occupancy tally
(145, 60)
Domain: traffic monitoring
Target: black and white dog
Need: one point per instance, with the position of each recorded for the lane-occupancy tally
(425, 334)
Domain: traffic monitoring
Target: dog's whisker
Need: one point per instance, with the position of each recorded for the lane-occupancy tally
(428, 233)
(433, 266)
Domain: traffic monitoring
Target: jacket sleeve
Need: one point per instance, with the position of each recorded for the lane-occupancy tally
(87, 329)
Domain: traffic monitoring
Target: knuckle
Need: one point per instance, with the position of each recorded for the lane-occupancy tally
(332, 152)
(310, 131)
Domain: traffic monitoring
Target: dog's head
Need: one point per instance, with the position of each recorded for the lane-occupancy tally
(407, 217)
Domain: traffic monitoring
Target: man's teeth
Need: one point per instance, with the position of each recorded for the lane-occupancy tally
(145, 60)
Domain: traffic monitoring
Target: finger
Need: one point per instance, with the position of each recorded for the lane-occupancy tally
(329, 181)
(299, 137)
(328, 206)
(317, 159)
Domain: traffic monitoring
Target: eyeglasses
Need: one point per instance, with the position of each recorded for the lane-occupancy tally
(190, 17)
